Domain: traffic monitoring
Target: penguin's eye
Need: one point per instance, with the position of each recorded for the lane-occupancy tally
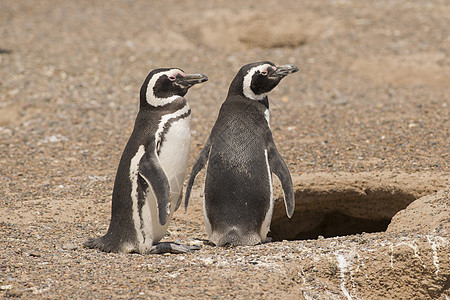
(264, 73)
(172, 78)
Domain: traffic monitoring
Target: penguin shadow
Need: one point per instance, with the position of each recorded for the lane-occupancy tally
(211, 244)
(207, 242)
(171, 247)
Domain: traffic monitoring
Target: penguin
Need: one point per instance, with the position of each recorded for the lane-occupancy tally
(149, 179)
(241, 156)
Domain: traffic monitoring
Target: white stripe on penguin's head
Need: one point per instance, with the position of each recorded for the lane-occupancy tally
(151, 97)
(247, 82)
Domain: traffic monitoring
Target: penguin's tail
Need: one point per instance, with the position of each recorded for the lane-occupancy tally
(235, 237)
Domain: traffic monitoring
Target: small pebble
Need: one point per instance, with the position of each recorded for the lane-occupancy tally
(70, 246)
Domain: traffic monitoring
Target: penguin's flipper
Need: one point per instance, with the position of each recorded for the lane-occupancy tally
(167, 247)
(155, 176)
(198, 166)
(279, 167)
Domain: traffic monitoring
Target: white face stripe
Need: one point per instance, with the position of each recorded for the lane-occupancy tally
(246, 84)
(150, 95)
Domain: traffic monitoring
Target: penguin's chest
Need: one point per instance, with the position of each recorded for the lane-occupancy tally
(174, 151)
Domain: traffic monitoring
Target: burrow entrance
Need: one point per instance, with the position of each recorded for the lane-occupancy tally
(348, 205)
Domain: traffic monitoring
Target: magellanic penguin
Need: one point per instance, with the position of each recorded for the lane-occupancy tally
(149, 180)
(241, 156)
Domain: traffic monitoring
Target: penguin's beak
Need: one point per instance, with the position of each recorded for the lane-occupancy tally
(284, 70)
(192, 79)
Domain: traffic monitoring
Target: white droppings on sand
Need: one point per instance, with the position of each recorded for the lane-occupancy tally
(392, 256)
(436, 242)
(345, 261)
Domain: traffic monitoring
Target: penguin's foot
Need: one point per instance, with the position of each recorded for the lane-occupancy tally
(100, 244)
(168, 247)
(106, 244)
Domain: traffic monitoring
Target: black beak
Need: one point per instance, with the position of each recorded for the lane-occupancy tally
(192, 79)
(284, 70)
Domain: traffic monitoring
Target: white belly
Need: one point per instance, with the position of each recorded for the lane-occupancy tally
(173, 157)
(174, 154)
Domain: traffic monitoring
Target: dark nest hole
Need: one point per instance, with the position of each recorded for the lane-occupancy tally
(337, 212)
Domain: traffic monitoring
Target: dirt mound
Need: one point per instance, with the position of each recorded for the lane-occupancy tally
(427, 68)
(427, 214)
(246, 29)
(417, 240)
(343, 203)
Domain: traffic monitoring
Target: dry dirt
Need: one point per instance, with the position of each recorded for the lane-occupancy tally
(363, 127)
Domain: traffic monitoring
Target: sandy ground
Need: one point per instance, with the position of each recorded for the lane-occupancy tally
(367, 115)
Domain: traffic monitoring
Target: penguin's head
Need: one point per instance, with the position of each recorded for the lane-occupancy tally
(162, 86)
(255, 80)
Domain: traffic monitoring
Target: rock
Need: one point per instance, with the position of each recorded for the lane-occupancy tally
(6, 287)
(70, 246)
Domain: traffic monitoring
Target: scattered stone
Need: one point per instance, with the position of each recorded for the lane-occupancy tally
(70, 246)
